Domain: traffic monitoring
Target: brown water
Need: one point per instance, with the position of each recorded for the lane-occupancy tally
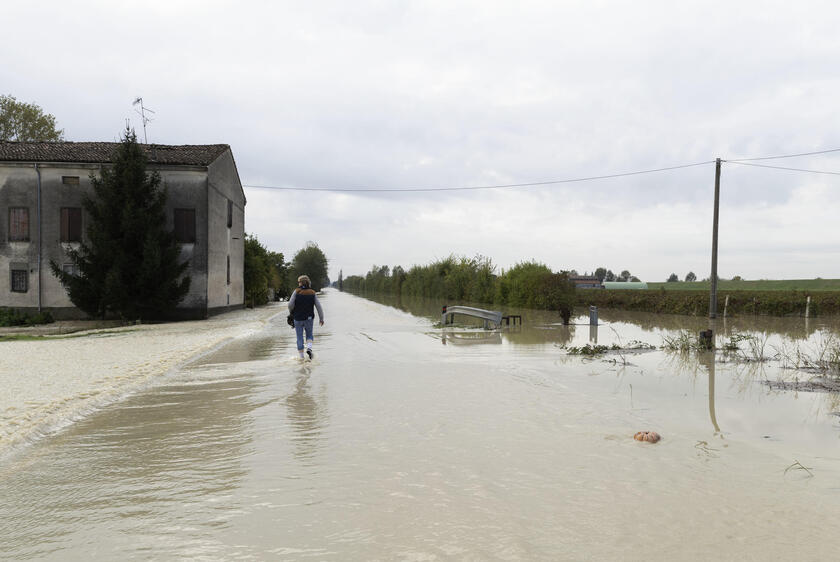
(403, 442)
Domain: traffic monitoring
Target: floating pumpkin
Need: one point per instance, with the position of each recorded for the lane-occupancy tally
(649, 436)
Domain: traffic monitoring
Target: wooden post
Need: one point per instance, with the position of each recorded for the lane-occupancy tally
(713, 278)
(808, 307)
(725, 306)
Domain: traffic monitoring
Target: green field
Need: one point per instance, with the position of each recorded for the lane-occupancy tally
(760, 285)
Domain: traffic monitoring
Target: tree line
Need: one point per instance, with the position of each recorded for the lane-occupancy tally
(604, 274)
(267, 271)
(528, 284)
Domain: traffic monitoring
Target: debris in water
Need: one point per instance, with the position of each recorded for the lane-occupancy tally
(649, 436)
(799, 466)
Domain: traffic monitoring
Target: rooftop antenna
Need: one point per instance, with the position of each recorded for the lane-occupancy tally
(142, 114)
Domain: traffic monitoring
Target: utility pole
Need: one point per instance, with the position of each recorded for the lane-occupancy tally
(714, 278)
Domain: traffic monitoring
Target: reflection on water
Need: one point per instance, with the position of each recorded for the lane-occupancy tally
(789, 327)
(470, 338)
(307, 416)
(251, 349)
(707, 359)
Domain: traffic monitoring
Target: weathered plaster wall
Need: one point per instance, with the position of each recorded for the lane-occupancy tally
(54, 196)
(206, 190)
(224, 185)
(187, 189)
(16, 191)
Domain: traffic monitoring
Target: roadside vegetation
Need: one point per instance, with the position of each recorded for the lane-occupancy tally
(264, 272)
(694, 303)
(822, 356)
(461, 279)
(11, 317)
(268, 274)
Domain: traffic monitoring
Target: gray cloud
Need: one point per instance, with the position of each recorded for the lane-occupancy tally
(429, 94)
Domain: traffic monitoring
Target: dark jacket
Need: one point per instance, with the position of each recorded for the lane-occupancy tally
(303, 303)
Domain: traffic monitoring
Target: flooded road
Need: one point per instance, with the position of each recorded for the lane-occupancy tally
(403, 442)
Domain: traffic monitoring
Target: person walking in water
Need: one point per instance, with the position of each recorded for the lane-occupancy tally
(302, 305)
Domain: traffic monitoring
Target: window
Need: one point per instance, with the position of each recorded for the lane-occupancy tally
(230, 213)
(228, 270)
(18, 224)
(185, 226)
(70, 180)
(20, 280)
(71, 224)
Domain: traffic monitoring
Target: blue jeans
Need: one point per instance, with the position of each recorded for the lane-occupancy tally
(300, 327)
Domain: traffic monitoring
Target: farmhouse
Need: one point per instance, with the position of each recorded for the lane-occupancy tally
(586, 282)
(41, 216)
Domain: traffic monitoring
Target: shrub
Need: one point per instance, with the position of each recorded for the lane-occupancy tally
(12, 317)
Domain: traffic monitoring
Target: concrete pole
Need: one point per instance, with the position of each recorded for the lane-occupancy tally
(713, 278)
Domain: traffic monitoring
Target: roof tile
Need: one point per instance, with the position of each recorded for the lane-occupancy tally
(101, 152)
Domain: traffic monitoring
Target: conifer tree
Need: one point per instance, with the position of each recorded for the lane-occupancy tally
(129, 265)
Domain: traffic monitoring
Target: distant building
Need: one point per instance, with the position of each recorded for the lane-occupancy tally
(625, 285)
(41, 216)
(586, 282)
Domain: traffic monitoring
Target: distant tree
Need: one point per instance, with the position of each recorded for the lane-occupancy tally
(635, 279)
(279, 278)
(609, 276)
(737, 278)
(257, 272)
(556, 292)
(398, 276)
(130, 264)
(310, 261)
(625, 276)
(673, 278)
(340, 279)
(690, 277)
(600, 273)
(26, 122)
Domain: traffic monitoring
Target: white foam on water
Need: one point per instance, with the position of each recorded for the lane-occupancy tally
(51, 383)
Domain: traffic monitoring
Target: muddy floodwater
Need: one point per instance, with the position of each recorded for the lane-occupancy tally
(402, 441)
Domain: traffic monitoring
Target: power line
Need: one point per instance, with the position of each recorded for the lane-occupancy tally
(741, 161)
(782, 168)
(477, 187)
(785, 155)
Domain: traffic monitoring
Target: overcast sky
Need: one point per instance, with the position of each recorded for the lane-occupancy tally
(397, 94)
